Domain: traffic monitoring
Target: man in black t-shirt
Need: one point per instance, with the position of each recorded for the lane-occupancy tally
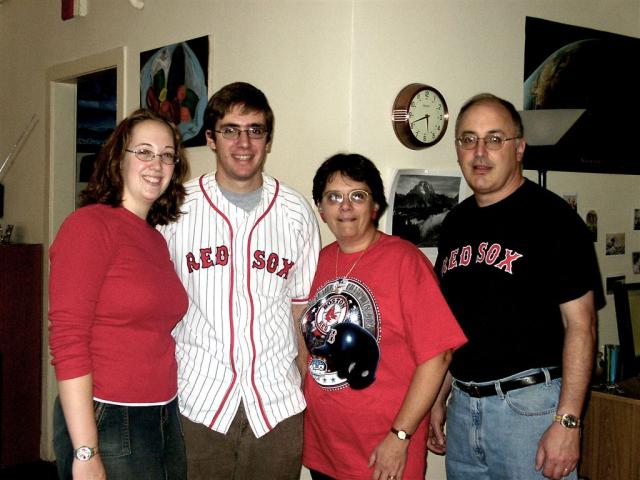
(519, 271)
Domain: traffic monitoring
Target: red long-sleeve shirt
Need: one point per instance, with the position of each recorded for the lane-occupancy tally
(114, 298)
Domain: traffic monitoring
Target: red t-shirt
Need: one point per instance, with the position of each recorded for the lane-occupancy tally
(396, 292)
(114, 298)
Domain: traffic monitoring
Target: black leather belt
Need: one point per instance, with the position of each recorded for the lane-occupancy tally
(478, 391)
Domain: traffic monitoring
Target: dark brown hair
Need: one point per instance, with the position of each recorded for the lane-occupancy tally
(238, 94)
(106, 184)
(356, 167)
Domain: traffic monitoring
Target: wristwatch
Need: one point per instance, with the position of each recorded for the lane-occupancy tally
(567, 420)
(401, 434)
(85, 453)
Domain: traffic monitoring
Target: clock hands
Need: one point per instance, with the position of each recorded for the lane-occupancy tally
(426, 117)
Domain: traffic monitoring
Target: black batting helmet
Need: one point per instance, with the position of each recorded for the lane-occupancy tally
(352, 353)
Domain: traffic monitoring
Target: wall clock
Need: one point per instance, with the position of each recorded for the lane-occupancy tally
(420, 116)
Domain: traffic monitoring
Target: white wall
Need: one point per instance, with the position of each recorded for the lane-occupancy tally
(330, 69)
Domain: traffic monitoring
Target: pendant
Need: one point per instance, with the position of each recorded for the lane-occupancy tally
(340, 285)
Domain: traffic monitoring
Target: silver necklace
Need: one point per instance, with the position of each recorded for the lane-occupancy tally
(341, 282)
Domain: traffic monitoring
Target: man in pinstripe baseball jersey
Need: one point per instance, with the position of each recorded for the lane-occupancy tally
(246, 250)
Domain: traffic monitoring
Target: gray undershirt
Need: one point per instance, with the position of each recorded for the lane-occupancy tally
(245, 201)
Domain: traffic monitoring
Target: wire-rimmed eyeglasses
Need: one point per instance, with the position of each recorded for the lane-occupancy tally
(494, 141)
(233, 133)
(146, 155)
(356, 197)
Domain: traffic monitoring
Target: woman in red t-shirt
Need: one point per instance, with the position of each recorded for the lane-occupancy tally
(379, 332)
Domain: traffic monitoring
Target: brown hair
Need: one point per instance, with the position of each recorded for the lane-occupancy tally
(356, 167)
(106, 184)
(241, 94)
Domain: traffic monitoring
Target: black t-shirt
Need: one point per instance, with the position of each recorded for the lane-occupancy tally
(505, 269)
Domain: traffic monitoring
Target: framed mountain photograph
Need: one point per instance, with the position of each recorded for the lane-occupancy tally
(418, 202)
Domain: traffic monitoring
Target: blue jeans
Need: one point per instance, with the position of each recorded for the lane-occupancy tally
(496, 437)
(133, 442)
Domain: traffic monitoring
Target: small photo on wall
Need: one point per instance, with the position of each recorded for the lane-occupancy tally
(635, 258)
(572, 200)
(592, 224)
(636, 219)
(613, 281)
(615, 244)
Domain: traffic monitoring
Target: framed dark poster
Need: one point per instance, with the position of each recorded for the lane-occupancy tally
(174, 83)
(572, 67)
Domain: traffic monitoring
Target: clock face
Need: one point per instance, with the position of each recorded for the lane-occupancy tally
(427, 116)
(419, 116)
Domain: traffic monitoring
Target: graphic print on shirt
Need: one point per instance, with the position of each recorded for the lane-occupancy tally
(491, 255)
(340, 300)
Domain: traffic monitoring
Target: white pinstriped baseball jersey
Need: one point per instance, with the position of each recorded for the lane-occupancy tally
(242, 271)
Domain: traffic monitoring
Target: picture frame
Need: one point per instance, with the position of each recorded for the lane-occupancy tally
(174, 82)
(615, 243)
(418, 202)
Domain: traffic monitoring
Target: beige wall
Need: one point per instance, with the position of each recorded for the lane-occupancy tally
(331, 70)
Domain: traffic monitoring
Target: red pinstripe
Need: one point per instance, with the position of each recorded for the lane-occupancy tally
(251, 336)
(231, 349)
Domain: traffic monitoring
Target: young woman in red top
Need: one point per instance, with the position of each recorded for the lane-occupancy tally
(114, 300)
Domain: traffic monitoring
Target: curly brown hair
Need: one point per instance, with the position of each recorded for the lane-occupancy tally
(106, 184)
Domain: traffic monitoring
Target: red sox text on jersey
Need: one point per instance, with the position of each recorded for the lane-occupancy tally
(491, 255)
(272, 262)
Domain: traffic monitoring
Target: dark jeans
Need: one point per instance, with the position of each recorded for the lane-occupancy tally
(134, 442)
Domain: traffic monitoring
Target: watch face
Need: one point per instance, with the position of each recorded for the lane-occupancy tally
(84, 453)
(569, 421)
(427, 116)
